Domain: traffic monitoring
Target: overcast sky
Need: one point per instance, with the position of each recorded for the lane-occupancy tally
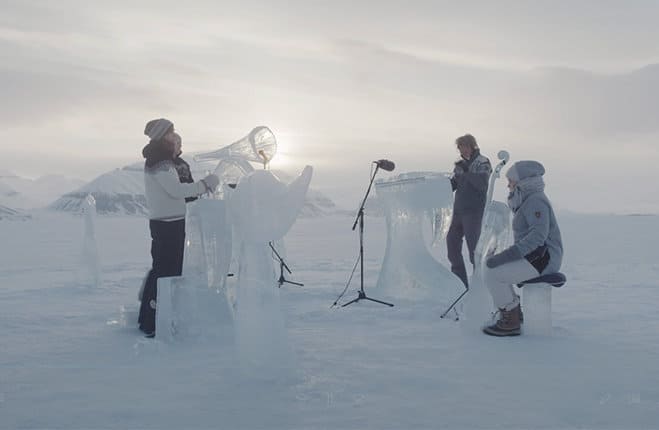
(573, 84)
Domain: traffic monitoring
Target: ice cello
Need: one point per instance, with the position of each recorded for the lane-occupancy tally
(410, 201)
(496, 235)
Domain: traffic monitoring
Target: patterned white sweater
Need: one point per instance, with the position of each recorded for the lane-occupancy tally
(165, 194)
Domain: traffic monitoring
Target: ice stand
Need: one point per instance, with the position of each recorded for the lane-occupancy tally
(410, 202)
(262, 210)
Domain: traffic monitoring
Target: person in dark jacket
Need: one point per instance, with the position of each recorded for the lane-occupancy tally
(469, 181)
(182, 167)
(165, 197)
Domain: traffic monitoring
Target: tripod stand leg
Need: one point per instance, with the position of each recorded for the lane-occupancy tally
(283, 280)
(360, 295)
(454, 303)
(294, 283)
(350, 302)
(379, 301)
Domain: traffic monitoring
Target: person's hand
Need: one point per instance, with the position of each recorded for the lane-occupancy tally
(457, 179)
(458, 170)
(510, 254)
(211, 182)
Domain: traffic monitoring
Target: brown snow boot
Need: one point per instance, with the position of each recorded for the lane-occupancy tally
(508, 323)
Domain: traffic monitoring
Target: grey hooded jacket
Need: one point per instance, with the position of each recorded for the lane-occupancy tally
(534, 222)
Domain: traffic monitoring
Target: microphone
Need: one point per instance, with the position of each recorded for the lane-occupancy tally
(385, 165)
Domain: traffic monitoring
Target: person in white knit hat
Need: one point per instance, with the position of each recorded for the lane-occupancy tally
(538, 247)
(165, 197)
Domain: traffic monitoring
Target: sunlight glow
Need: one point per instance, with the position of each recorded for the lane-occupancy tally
(283, 159)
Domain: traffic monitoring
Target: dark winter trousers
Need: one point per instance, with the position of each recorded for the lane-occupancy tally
(167, 244)
(467, 225)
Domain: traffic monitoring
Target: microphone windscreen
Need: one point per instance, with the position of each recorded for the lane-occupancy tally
(386, 165)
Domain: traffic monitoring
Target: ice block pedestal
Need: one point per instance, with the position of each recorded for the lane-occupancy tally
(208, 245)
(536, 305)
(536, 302)
(408, 268)
(187, 309)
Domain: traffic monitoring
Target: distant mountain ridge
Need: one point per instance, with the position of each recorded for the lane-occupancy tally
(24, 193)
(13, 214)
(118, 192)
(121, 192)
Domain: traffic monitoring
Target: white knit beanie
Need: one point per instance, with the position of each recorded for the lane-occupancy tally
(157, 128)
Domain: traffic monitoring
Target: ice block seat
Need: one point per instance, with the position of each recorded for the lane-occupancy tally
(536, 302)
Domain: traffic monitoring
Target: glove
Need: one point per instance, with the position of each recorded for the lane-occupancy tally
(211, 182)
(458, 169)
(508, 255)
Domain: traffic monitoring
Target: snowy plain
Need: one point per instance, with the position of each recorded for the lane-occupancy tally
(68, 361)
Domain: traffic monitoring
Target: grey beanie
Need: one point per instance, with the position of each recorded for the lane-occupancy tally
(525, 169)
(157, 128)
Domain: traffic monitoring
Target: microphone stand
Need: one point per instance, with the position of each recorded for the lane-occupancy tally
(283, 266)
(360, 219)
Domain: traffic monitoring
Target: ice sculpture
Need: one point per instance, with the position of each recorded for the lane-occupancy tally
(208, 242)
(202, 301)
(536, 302)
(497, 229)
(410, 201)
(232, 231)
(262, 209)
(259, 146)
(198, 303)
(188, 309)
(441, 223)
(89, 270)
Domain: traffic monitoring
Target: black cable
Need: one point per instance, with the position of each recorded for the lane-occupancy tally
(347, 284)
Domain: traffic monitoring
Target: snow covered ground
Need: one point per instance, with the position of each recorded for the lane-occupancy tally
(67, 361)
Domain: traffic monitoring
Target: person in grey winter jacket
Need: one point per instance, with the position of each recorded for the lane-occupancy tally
(469, 181)
(538, 247)
(165, 197)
